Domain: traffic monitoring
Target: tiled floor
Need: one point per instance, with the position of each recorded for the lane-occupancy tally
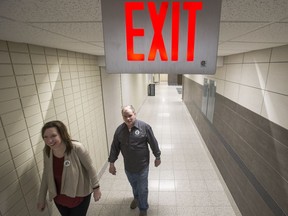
(185, 184)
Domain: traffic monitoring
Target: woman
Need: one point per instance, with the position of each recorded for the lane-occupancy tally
(68, 174)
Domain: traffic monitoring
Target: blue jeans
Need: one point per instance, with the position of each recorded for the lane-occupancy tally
(139, 183)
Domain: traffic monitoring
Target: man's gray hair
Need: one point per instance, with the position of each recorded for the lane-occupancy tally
(130, 107)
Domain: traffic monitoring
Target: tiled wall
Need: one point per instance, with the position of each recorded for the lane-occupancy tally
(256, 80)
(249, 147)
(39, 84)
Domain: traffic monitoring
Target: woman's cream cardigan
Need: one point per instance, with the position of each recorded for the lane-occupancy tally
(79, 177)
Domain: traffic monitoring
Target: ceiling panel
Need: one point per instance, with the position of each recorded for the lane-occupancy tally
(274, 33)
(254, 10)
(51, 11)
(232, 30)
(75, 25)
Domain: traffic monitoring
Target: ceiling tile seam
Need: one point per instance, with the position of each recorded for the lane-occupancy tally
(254, 30)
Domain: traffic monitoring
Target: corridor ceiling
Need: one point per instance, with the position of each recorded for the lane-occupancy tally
(76, 25)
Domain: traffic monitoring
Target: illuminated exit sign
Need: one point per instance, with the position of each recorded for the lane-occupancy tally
(178, 37)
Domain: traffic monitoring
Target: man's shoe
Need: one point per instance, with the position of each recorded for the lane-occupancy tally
(134, 204)
(143, 213)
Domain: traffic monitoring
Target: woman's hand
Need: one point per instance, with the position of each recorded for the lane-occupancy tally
(97, 194)
(41, 206)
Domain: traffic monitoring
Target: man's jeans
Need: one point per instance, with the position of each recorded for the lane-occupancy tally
(139, 183)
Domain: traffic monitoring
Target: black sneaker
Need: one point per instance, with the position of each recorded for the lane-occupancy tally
(134, 204)
(143, 213)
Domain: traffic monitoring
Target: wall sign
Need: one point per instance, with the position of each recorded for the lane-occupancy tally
(161, 36)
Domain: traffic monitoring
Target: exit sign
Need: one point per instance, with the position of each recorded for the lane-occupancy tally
(178, 37)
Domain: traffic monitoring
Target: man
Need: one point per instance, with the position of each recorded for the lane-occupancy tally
(132, 138)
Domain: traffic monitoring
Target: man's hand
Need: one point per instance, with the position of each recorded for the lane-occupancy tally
(112, 169)
(157, 162)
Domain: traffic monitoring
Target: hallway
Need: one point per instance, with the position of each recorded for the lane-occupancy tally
(185, 184)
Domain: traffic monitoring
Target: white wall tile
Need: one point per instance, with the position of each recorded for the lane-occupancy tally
(3, 45)
(6, 168)
(220, 86)
(20, 58)
(3, 145)
(58, 93)
(25, 80)
(238, 59)
(73, 68)
(279, 54)
(60, 109)
(21, 69)
(17, 47)
(7, 179)
(20, 148)
(19, 205)
(53, 68)
(63, 53)
(32, 110)
(49, 114)
(67, 83)
(59, 101)
(24, 166)
(257, 56)
(4, 57)
(9, 191)
(74, 75)
(18, 138)
(69, 98)
(7, 82)
(64, 67)
(15, 127)
(231, 91)
(33, 130)
(5, 157)
(55, 77)
(233, 73)
(40, 69)
(5, 69)
(50, 51)
(275, 108)
(12, 117)
(221, 72)
(10, 202)
(41, 78)
(43, 87)
(32, 120)
(9, 106)
(251, 98)
(52, 60)
(65, 76)
(38, 59)
(29, 101)
(71, 60)
(255, 75)
(43, 97)
(67, 91)
(278, 78)
(37, 140)
(27, 90)
(56, 85)
(47, 105)
(29, 187)
(36, 49)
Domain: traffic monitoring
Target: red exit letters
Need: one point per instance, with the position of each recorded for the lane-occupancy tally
(157, 21)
